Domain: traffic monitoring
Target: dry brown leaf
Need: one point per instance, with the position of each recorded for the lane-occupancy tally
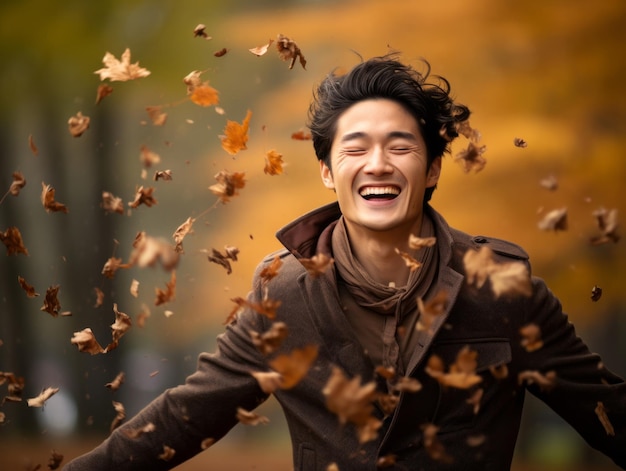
(199, 32)
(32, 146)
(261, 50)
(111, 203)
(499, 371)
(15, 386)
(604, 419)
(138, 432)
(431, 310)
(250, 418)
(531, 337)
(121, 325)
(293, 366)
(228, 185)
(120, 70)
(51, 304)
(165, 175)
(47, 199)
(147, 251)
(40, 401)
(519, 142)
(86, 341)
(157, 116)
(78, 124)
(474, 400)
(99, 297)
(205, 95)
(301, 135)
(235, 135)
(273, 162)
(433, 446)
(472, 157)
(168, 453)
(223, 259)
(545, 382)
(318, 264)
(596, 293)
(288, 50)
(12, 239)
(147, 157)
(134, 288)
(269, 341)
(512, 278)
(266, 307)
(461, 374)
(104, 90)
(117, 382)
(17, 184)
(417, 243)
(607, 223)
(269, 381)
(409, 261)
(30, 290)
(271, 271)
(119, 416)
(207, 443)
(555, 220)
(55, 460)
(169, 294)
(143, 196)
(111, 266)
(181, 232)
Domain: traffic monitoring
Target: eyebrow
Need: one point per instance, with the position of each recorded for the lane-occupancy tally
(358, 134)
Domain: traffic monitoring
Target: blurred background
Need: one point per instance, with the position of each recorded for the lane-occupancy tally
(550, 73)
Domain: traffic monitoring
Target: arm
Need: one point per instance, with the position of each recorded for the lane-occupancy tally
(582, 382)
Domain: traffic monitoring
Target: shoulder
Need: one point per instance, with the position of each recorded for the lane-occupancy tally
(501, 247)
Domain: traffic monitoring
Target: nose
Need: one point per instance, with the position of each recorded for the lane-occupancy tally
(377, 162)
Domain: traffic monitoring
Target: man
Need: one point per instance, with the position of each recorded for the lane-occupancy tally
(420, 346)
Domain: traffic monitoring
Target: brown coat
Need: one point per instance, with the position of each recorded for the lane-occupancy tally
(471, 438)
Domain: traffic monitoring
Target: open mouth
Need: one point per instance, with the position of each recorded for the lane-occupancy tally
(379, 192)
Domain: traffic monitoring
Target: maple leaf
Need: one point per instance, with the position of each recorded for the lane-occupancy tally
(235, 135)
(472, 157)
(461, 374)
(433, 446)
(273, 163)
(117, 382)
(288, 50)
(353, 403)
(30, 291)
(156, 114)
(250, 418)
(16, 185)
(531, 337)
(512, 278)
(199, 32)
(293, 366)
(51, 304)
(269, 341)
(608, 224)
(111, 203)
(409, 261)
(86, 341)
(271, 271)
(227, 185)
(545, 382)
(169, 294)
(205, 95)
(431, 310)
(12, 239)
(143, 196)
(604, 419)
(78, 124)
(119, 416)
(555, 220)
(223, 259)
(40, 401)
(318, 264)
(47, 199)
(55, 460)
(261, 50)
(181, 232)
(32, 145)
(104, 90)
(120, 70)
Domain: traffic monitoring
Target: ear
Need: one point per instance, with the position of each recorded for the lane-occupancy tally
(327, 176)
(434, 171)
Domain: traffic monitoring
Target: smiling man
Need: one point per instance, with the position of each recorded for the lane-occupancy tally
(421, 365)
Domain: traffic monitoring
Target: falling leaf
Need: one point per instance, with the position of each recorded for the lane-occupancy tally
(78, 124)
(223, 259)
(15, 386)
(55, 460)
(301, 135)
(269, 381)
(147, 251)
(549, 183)
(545, 382)
(271, 271)
(111, 266)
(134, 288)
(531, 337)
(227, 185)
(120, 70)
(16, 185)
(104, 90)
(433, 446)
(269, 341)
(47, 199)
(318, 264)
(207, 443)
(430, 310)
(156, 114)
(261, 50)
(165, 175)
(169, 294)
(417, 243)
(499, 371)
(288, 50)
(266, 307)
(143, 316)
(138, 432)
(147, 157)
(121, 325)
(250, 418)
(519, 142)
(86, 341)
(555, 220)
(409, 261)
(40, 400)
(30, 291)
(386, 461)
(205, 95)
(168, 453)
(604, 419)
(12, 239)
(111, 203)
(236, 135)
(465, 129)
(119, 416)
(273, 163)
(474, 400)
(472, 157)
(221, 53)
(596, 293)
(512, 278)
(181, 232)
(607, 223)
(32, 145)
(352, 403)
(143, 196)
(117, 382)
(293, 366)
(51, 304)
(461, 374)
(199, 32)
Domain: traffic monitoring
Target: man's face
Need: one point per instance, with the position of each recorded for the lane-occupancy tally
(378, 160)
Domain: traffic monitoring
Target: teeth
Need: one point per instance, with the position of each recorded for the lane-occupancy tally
(379, 190)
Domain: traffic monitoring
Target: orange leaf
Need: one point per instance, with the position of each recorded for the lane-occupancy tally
(236, 135)
(205, 95)
(273, 163)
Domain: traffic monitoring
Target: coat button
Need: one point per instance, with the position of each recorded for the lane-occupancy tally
(480, 240)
